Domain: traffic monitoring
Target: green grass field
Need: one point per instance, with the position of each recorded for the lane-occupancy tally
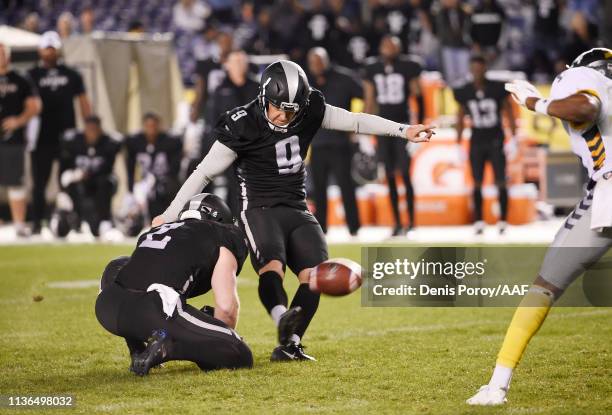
(370, 360)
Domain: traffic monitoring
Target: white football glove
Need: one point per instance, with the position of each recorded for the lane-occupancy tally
(71, 176)
(521, 90)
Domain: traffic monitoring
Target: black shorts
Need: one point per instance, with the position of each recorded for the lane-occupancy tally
(492, 150)
(197, 336)
(12, 160)
(392, 151)
(287, 234)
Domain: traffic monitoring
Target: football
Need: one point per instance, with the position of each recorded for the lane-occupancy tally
(336, 277)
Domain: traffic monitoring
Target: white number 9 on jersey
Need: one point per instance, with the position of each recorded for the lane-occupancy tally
(288, 155)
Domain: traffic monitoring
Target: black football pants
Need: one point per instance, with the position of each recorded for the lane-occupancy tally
(491, 149)
(41, 163)
(195, 336)
(92, 200)
(337, 161)
(392, 152)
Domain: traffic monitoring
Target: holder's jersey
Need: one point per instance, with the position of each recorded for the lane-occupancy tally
(270, 162)
(484, 108)
(592, 143)
(181, 255)
(392, 84)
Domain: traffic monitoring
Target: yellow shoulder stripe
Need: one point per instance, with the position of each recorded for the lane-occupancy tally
(591, 92)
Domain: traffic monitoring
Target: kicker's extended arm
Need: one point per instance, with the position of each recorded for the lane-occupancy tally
(216, 161)
(358, 122)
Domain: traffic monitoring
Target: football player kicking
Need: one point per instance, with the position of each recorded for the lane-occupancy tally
(143, 297)
(581, 97)
(267, 140)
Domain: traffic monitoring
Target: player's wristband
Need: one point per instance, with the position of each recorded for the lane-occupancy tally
(541, 106)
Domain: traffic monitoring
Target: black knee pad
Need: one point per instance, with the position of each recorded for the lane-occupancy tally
(112, 269)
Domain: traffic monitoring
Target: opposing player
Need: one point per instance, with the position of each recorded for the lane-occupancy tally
(267, 139)
(485, 101)
(389, 81)
(143, 297)
(581, 97)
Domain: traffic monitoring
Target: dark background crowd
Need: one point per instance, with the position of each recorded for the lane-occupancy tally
(537, 37)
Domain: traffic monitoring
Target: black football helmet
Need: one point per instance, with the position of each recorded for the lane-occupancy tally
(284, 85)
(206, 206)
(599, 59)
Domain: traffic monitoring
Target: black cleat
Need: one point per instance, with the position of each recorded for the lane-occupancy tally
(290, 352)
(36, 229)
(288, 324)
(155, 353)
(398, 231)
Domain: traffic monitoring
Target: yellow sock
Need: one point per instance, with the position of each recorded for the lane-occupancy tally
(527, 319)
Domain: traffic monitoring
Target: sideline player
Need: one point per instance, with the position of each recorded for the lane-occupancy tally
(144, 296)
(268, 139)
(581, 97)
(389, 81)
(86, 163)
(484, 101)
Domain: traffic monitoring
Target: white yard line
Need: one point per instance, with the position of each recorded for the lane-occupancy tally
(75, 284)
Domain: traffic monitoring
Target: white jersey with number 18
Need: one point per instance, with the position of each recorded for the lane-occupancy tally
(591, 142)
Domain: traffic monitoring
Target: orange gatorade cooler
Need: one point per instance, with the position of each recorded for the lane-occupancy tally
(521, 204)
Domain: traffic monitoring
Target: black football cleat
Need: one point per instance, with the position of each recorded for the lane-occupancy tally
(288, 323)
(155, 353)
(290, 352)
(398, 231)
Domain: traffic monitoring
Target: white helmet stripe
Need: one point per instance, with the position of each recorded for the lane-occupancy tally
(293, 78)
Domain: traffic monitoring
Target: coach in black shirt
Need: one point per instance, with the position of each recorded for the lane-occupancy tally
(18, 104)
(331, 150)
(57, 85)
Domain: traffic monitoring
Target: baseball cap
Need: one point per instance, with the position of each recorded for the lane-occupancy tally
(50, 39)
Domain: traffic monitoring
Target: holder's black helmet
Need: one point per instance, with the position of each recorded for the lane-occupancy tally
(284, 85)
(599, 59)
(206, 206)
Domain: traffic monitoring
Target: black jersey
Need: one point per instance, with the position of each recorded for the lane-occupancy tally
(484, 108)
(96, 160)
(181, 255)
(211, 72)
(162, 159)
(270, 164)
(392, 85)
(57, 86)
(14, 91)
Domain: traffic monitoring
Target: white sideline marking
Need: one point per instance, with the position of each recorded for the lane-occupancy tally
(76, 284)
(539, 232)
